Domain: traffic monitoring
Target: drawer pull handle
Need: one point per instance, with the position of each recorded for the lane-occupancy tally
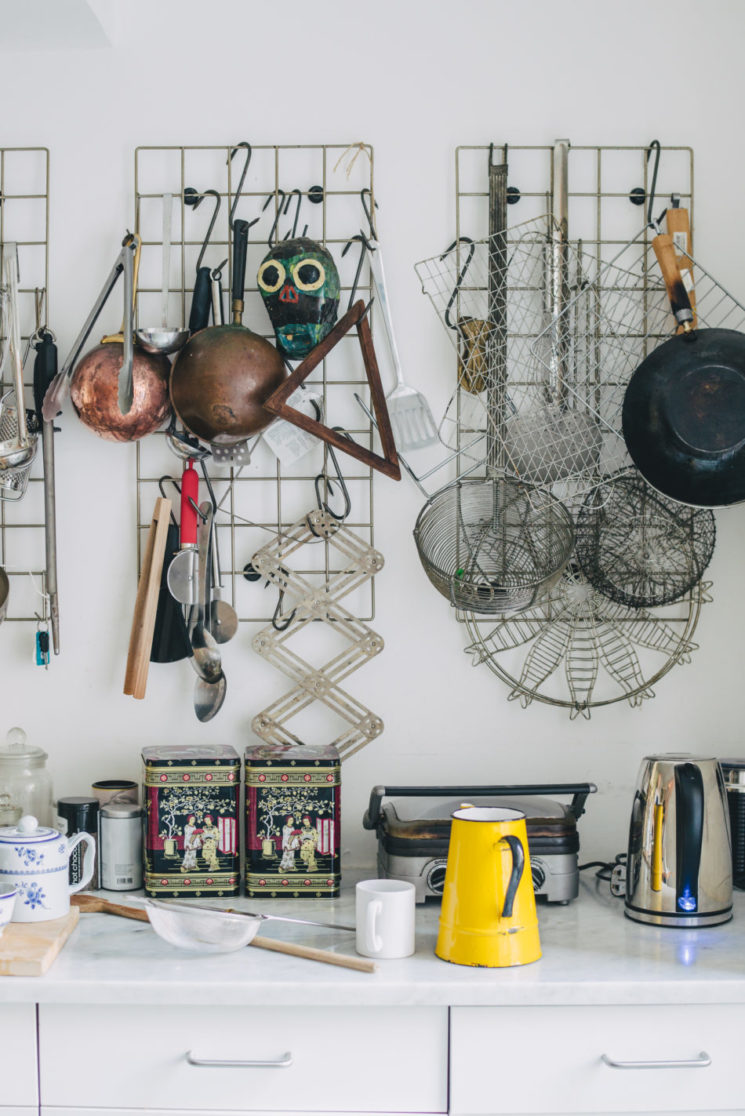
(276, 1063)
(701, 1062)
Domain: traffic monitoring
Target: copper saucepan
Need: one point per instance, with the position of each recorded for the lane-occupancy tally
(223, 375)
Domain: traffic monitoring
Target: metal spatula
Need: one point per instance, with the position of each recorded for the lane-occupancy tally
(411, 418)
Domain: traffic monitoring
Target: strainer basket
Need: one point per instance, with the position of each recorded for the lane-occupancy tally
(493, 545)
(13, 479)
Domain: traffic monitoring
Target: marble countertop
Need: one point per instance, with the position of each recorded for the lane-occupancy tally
(592, 954)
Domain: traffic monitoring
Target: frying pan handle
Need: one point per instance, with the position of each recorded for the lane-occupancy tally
(240, 249)
(189, 500)
(201, 301)
(680, 303)
(678, 223)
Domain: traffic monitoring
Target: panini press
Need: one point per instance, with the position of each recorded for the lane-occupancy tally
(413, 838)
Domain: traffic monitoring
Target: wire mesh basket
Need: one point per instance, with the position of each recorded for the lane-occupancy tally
(13, 479)
(640, 548)
(490, 547)
(497, 299)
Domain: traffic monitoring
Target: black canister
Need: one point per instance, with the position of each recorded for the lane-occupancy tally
(734, 780)
(78, 814)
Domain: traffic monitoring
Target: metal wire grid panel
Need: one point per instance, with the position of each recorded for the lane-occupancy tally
(556, 423)
(24, 220)
(263, 498)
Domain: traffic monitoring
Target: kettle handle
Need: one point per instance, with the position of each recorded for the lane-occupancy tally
(518, 866)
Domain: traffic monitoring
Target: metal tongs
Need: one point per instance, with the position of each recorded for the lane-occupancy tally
(60, 385)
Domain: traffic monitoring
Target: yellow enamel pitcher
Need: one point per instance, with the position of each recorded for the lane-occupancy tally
(488, 912)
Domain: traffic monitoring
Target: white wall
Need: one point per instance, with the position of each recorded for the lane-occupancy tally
(414, 79)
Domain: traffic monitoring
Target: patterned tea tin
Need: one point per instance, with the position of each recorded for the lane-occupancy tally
(293, 829)
(191, 804)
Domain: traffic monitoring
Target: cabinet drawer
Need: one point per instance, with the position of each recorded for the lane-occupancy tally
(18, 1073)
(337, 1059)
(550, 1059)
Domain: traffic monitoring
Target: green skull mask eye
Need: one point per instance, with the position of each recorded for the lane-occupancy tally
(299, 283)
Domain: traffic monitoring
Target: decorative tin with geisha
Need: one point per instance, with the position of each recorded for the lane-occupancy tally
(191, 804)
(293, 830)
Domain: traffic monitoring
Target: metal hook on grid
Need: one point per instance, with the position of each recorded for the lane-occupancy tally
(369, 210)
(461, 276)
(363, 241)
(324, 479)
(242, 179)
(298, 193)
(281, 209)
(176, 485)
(194, 199)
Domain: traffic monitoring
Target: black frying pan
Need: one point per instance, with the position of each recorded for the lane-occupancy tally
(684, 407)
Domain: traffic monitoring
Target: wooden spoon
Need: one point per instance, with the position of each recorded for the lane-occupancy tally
(104, 906)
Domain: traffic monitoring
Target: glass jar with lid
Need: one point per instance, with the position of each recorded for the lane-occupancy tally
(25, 782)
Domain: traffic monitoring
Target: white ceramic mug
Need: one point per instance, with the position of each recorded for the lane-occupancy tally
(385, 918)
(35, 861)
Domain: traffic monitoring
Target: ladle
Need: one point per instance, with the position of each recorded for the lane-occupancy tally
(222, 619)
(209, 697)
(206, 660)
(164, 338)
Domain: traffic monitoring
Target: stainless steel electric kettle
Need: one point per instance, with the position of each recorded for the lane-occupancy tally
(679, 867)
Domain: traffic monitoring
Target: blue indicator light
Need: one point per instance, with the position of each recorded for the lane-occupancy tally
(686, 901)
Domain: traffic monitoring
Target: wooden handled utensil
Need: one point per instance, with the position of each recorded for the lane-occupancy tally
(678, 223)
(146, 603)
(104, 906)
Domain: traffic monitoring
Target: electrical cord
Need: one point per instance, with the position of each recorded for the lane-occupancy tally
(605, 868)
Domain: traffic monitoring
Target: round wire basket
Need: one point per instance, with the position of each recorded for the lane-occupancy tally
(494, 545)
(638, 547)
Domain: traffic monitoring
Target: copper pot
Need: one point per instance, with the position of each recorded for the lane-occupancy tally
(223, 375)
(94, 393)
(220, 380)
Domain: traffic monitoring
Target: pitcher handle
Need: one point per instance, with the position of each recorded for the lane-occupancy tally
(518, 865)
(91, 860)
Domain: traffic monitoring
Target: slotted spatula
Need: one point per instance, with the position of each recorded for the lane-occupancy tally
(411, 418)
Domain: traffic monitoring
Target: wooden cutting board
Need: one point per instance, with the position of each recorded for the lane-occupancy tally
(29, 948)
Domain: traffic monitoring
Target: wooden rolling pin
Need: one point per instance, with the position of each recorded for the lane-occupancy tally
(104, 906)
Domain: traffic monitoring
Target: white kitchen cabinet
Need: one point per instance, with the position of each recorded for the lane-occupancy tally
(19, 1087)
(527, 1060)
(192, 1059)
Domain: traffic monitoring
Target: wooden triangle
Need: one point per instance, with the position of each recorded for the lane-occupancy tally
(277, 402)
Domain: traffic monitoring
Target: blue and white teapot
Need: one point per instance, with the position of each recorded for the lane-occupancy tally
(35, 861)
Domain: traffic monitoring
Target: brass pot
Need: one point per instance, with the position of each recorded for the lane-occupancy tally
(95, 386)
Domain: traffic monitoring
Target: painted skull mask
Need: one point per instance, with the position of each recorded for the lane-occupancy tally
(299, 283)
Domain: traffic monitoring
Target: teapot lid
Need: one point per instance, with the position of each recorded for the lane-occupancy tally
(16, 748)
(28, 829)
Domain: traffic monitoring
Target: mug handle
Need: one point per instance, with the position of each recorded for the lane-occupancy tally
(371, 919)
(87, 876)
(518, 864)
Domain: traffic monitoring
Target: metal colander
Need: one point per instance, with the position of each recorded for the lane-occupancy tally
(493, 545)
